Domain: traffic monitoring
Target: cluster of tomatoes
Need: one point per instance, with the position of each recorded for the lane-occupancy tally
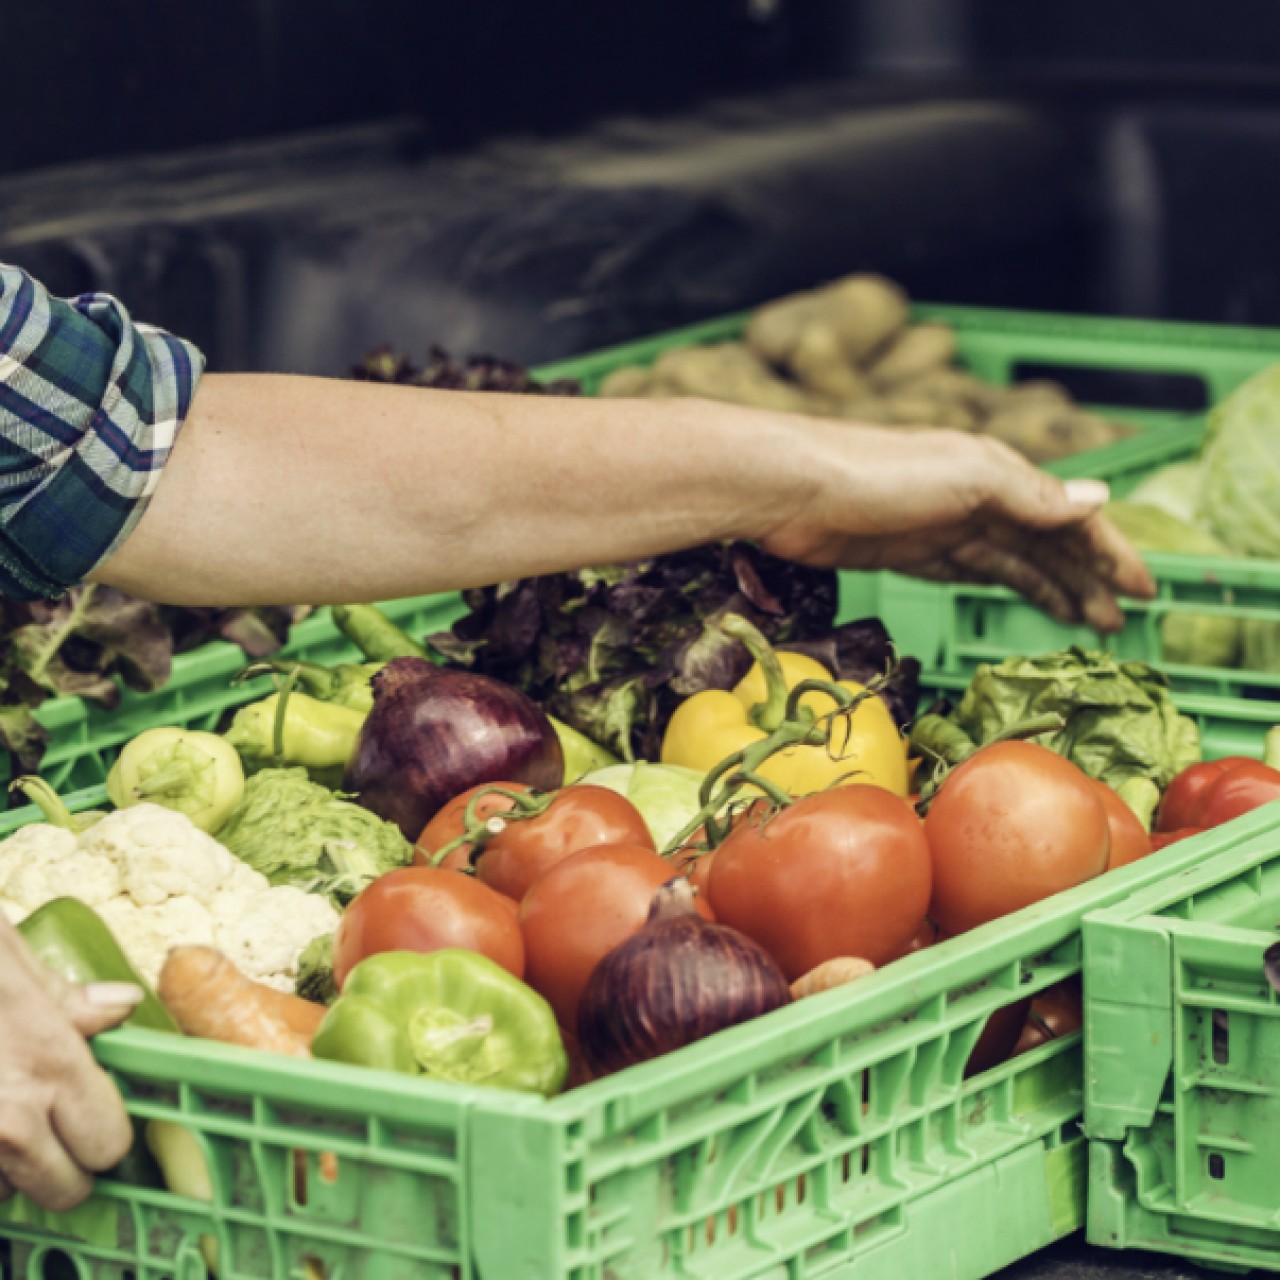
(849, 871)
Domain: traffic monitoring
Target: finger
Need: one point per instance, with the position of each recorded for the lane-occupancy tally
(1127, 572)
(1015, 489)
(6, 1189)
(1075, 568)
(986, 561)
(98, 1006)
(90, 1120)
(94, 1007)
(33, 1161)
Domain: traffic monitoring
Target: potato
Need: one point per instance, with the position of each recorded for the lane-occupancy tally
(913, 352)
(774, 329)
(629, 381)
(958, 387)
(728, 371)
(819, 361)
(1037, 391)
(1045, 432)
(866, 311)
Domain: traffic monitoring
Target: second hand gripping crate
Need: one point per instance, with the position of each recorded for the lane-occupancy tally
(1182, 1093)
(835, 1139)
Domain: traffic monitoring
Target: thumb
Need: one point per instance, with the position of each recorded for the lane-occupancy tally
(1041, 501)
(98, 1006)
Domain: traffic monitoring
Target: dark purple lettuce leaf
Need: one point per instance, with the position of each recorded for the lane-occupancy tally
(259, 631)
(76, 644)
(448, 373)
(23, 737)
(612, 650)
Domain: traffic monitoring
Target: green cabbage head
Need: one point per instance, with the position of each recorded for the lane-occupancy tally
(1242, 467)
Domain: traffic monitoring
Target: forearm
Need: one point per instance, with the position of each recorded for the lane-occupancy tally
(284, 489)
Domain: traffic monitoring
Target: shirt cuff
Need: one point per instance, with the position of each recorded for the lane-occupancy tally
(90, 406)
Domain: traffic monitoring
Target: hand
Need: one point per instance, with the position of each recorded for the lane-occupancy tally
(959, 508)
(61, 1118)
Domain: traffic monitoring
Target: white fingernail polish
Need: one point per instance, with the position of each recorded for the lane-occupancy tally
(1088, 493)
(113, 995)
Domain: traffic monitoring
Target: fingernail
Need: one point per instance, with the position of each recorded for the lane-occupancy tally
(113, 995)
(1087, 493)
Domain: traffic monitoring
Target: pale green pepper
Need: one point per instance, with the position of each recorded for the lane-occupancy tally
(188, 770)
(320, 736)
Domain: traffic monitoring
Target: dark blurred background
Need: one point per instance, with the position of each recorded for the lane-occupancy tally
(292, 182)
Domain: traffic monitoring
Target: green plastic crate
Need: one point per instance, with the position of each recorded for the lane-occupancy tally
(84, 738)
(834, 1138)
(1183, 1060)
(953, 628)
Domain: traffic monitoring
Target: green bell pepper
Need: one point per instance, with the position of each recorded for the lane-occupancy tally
(70, 938)
(451, 1015)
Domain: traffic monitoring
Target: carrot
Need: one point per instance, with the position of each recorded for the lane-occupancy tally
(827, 975)
(209, 997)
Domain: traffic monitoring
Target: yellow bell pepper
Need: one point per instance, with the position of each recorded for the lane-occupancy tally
(865, 745)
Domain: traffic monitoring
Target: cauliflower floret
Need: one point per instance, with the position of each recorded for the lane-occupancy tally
(35, 845)
(147, 933)
(242, 881)
(160, 854)
(12, 911)
(86, 876)
(265, 935)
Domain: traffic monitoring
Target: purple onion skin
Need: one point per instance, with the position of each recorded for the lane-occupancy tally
(433, 733)
(678, 980)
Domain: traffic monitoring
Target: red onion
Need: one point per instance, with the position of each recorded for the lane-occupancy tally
(679, 979)
(433, 733)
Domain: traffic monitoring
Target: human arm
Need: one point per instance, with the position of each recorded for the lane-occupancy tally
(61, 1119)
(285, 489)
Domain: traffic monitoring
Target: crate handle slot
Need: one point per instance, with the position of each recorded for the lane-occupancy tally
(1123, 388)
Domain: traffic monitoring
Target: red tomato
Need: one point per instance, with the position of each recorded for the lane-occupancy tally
(1162, 839)
(1129, 839)
(843, 872)
(999, 1035)
(1011, 825)
(427, 909)
(450, 823)
(1184, 798)
(1241, 789)
(586, 905)
(579, 817)
(1056, 1011)
(927, 935)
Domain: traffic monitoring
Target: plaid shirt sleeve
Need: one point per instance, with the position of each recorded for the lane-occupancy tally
(90, 405)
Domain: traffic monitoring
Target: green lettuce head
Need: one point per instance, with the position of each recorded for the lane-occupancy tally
(1242, 467)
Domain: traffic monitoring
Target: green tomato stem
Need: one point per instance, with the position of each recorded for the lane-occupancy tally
(478, 831)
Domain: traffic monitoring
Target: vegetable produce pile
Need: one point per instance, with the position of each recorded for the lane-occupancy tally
(612, 650)
(848, 350)
(425, 872)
